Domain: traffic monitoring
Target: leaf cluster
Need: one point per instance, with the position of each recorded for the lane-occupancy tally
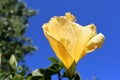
(55, 68)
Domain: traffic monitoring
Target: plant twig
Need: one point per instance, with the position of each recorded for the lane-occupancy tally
(59, 76)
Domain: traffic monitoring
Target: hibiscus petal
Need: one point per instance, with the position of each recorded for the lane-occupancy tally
(59, 49)
(95, 42)
(84, 35)
(62, 29)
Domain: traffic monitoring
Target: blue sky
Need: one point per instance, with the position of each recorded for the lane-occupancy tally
(105, 14)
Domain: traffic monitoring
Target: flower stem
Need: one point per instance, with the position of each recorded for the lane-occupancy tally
(59, 76)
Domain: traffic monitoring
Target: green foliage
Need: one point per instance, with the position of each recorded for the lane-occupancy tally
(14, 17)
(54, 60)
(17, 73)
(55, 68)
(45, 74)
(76, 76)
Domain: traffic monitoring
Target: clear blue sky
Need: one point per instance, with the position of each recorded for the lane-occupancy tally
(103, 63)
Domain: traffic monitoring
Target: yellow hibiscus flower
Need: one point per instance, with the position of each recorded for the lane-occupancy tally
(71, 41)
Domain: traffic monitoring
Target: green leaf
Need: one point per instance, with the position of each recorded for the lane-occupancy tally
(36, 73)
(61, 65)
(41, 74)
(18, 77)
(3, 74)
(13, 62)
(77, 76)
(45, 74)
(54, 60)
(54, 67)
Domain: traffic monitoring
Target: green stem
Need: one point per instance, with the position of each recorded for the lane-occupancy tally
(59, 76)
